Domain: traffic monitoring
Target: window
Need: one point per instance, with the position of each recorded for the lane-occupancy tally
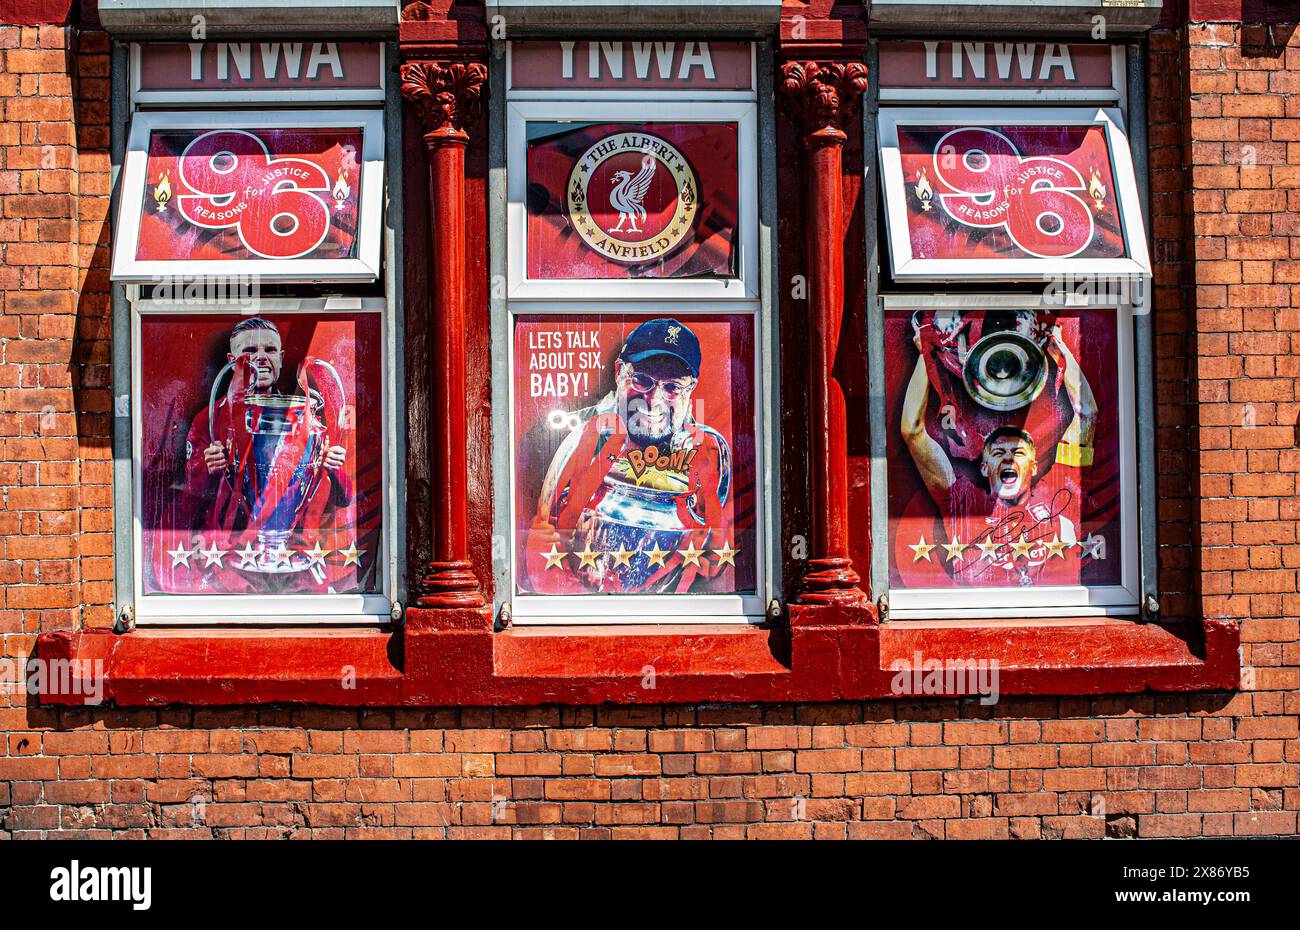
(1006, 430)
(1009, 194)
(1010, 441)
(285, 196)
(635, 333)
(249, 250)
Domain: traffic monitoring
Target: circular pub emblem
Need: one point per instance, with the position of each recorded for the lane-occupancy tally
(632, 197)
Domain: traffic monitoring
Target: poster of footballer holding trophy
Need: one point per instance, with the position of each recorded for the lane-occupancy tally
(258, 475)
(634, 453)
(1004, 455)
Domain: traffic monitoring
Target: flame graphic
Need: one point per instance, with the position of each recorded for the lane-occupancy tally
(1096, 190)
(341, 188)
(162, 192)
(924, 192)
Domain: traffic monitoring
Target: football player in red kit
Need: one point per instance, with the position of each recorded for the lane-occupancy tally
(1018, 523)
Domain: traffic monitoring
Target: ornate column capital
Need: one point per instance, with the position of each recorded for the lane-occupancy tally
(448, 95)
(822, 92)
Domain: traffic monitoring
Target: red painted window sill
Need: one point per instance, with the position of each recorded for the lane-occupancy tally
(453, 658)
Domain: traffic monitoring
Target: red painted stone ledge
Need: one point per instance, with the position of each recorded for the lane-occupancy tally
(453, 658)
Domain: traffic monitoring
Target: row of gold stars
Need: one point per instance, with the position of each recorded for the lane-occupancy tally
(1093, 546)
(250, 554)
(690, 556)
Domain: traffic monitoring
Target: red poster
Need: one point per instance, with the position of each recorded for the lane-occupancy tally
(227, 194)
(635, 463)
(623, 200)
(1013, 192)
(254, 477)
(1004, 453)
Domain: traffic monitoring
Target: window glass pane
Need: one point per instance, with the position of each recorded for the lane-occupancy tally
(1010, 192)
(1017, 195)
(635, 464)
(223, 194)
(1006, 453)
(261, 453)
(632, 200)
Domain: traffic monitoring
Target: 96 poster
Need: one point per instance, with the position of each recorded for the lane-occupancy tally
(261, 458)
(232, 194)
(1014, 192)
(1004, 452)
(634, 454)
(615, 200)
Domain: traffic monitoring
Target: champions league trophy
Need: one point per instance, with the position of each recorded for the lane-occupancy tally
(277, 446)
(655, 512)
(1006, 366)
(636, 519)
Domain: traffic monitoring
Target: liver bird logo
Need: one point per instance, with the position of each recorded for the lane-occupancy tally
(628, 194)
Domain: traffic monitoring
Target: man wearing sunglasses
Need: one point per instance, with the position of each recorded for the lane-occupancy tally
(639, 488)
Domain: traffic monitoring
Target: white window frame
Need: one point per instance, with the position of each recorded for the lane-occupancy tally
(683, 298)
(662, 108)
(279, 609)
(907, 268)
(363, 268)
(969, 602)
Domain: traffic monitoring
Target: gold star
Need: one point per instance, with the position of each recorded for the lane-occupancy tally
(351, 554)
(955, 549)
(588, 557)
(920, 550)
(622, 557)
(1021, 549)
(988, 550)
(1056, 547)
(726, 555)
(690, 555)
(315, 555)
(657, 556)
(553, 558)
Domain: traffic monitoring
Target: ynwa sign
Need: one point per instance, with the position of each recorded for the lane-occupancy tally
(699, 66)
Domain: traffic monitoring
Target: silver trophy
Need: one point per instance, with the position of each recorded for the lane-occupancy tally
(276, 451)
(1007, 367)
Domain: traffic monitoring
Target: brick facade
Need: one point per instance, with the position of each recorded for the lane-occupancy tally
(1225, 171)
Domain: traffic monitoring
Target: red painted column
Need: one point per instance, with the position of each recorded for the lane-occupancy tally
(449, 97)
(820, 93)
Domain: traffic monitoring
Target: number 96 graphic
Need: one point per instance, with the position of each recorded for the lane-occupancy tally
(277, 206)
(1038, 200)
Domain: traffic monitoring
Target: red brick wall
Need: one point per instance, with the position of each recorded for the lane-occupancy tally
(1227, 231)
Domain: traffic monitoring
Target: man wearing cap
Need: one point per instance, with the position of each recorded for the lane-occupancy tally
(636, 493)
